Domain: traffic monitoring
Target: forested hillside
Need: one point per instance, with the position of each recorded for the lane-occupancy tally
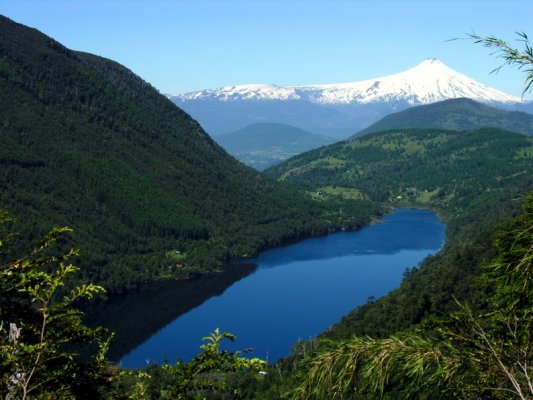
(455, 114)
(86, 143)
(475, 180)
(458, 174)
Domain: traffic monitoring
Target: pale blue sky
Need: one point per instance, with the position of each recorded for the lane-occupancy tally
(181, 46)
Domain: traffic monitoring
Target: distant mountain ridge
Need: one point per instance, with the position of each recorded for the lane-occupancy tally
(455, 114)
(264, 144)
(337, 110)
(428, 82)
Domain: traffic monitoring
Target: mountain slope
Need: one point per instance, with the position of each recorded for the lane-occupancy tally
(86, 143)
(475, 180)
(445, 170)
(455, 114)
(337, 110)
(261, 145)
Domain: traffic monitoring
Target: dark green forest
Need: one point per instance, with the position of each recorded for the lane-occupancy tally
(85, 143)
(105, 184)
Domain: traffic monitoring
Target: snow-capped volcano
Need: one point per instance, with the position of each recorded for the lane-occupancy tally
(428, 82)
(242, 92)
(337, 110)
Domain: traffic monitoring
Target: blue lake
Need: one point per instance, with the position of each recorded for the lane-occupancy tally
(298, 291)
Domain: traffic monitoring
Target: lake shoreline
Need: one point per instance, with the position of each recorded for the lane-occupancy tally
(270, 287)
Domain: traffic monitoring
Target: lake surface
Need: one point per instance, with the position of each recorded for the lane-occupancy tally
(298, 291)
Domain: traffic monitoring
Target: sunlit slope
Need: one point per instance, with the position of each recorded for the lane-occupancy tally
(447, 170)
(475, 180)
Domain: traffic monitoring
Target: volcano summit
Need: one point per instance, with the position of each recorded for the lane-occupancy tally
(336, 109)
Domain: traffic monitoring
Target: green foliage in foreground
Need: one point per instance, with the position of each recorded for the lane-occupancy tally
(480, 351)
(42, 334)
(522, 59)
(40, 327)
(202, 377)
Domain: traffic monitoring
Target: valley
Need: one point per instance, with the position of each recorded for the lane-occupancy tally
(296, 291)
(164, 224)
(262, 145)
(92, 146)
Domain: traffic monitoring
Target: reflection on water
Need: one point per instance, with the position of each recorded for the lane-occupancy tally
(316, 282)
(411, 230)
(136, 316)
